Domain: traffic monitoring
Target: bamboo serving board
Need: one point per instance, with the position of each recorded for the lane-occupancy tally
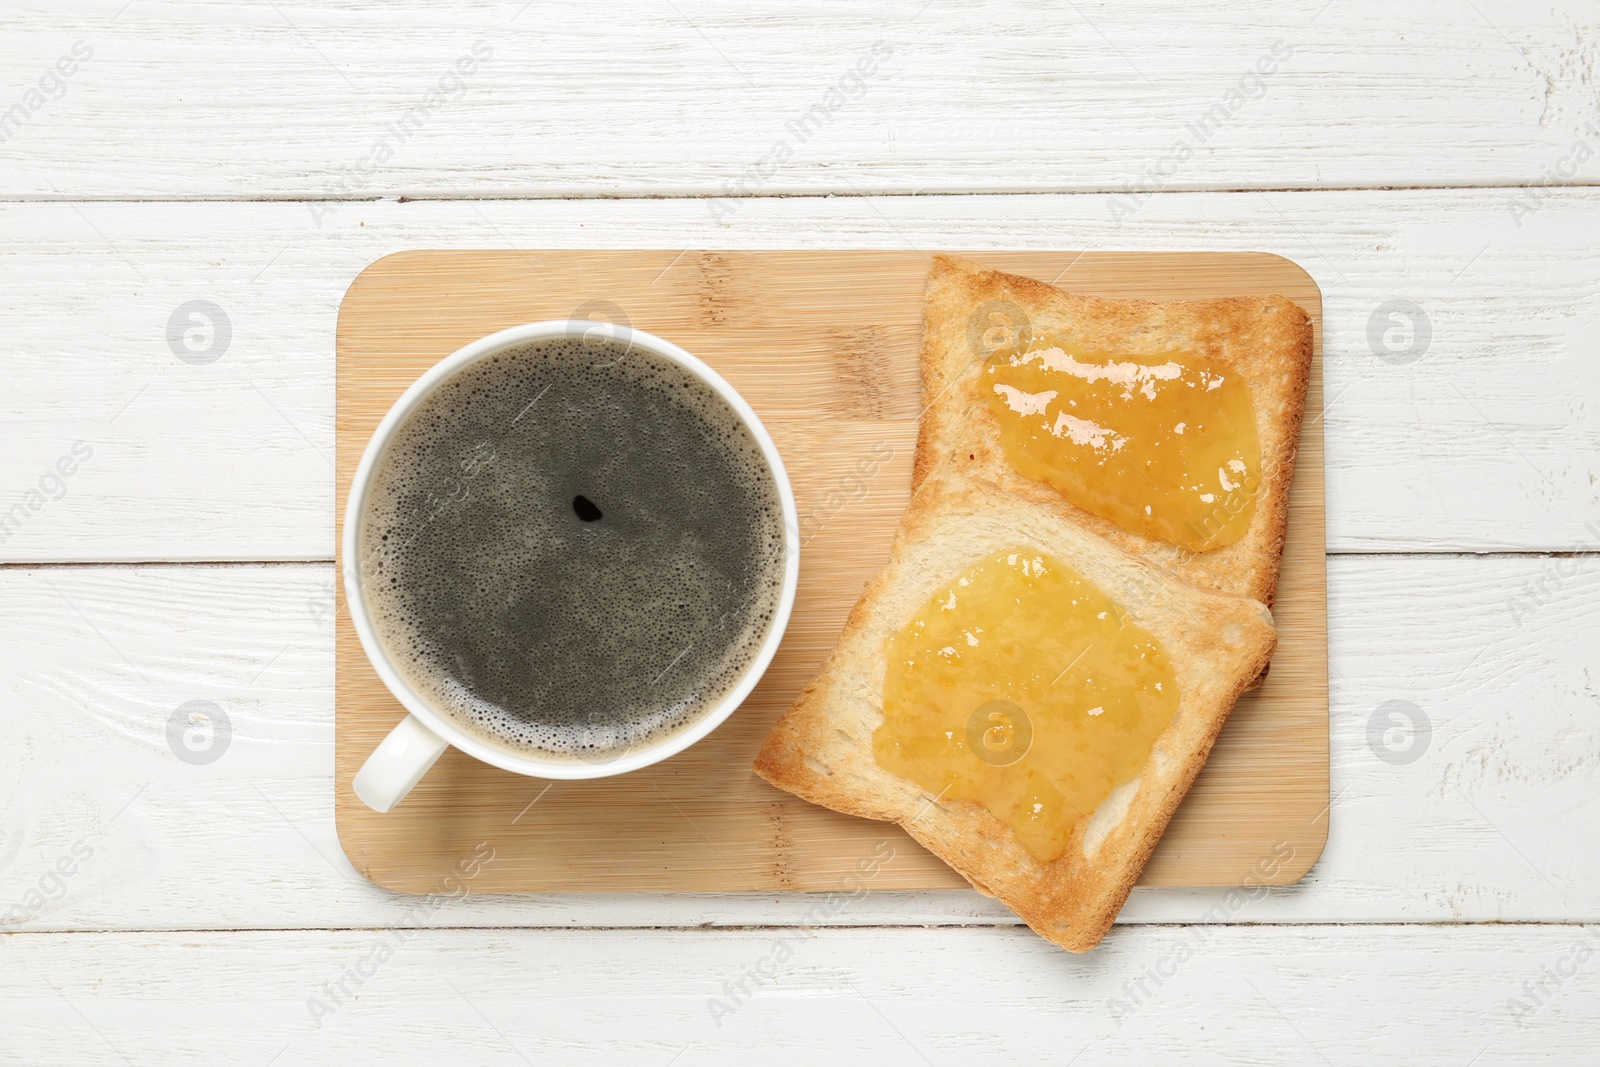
(824, 345)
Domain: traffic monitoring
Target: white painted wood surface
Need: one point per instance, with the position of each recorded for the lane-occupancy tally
(295, 98)
(1489, 439)
(1228, 996)
(156, 911)
(1479, 826)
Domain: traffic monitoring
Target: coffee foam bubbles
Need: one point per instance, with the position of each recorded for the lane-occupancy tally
(533, 628)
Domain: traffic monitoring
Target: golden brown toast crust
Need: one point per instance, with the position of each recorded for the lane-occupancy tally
(1267, 338)
(821, 749)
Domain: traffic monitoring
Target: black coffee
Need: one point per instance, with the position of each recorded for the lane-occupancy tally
(573, 549)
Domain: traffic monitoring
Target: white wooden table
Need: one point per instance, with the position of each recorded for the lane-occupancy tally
(1432, 163)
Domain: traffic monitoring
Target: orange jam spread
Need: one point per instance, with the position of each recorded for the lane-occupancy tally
(1026, 689)
(1162, 445)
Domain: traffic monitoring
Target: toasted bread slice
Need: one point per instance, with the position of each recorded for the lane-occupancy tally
(1267, 338)
(821, 749)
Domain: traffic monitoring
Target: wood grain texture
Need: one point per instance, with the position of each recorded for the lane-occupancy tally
(778, 325)
(1478, 826)
(1489, 441)
(1230, 997)
(646, 98)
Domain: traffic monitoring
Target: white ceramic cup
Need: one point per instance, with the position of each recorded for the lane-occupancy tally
(413, 746)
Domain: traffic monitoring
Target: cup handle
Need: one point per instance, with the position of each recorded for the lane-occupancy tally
(398, 764)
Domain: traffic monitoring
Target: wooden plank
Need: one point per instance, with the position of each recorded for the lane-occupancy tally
(824, 346)
(334, 100)
(233, 459)
(1486, 442)
(1243, 995)
(94, 662)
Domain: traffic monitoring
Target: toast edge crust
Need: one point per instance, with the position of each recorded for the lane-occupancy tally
(1073, 900)
(955, 421)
